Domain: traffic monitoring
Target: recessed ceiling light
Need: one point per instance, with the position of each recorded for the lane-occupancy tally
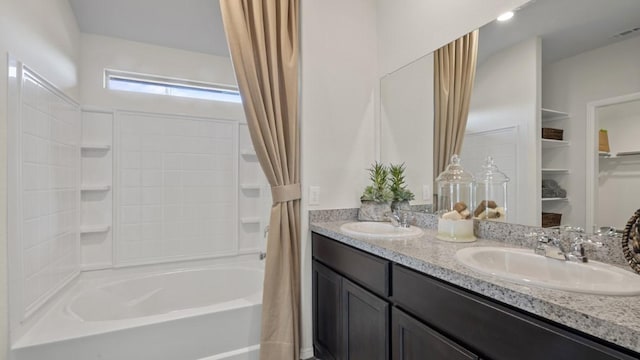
(506, 16)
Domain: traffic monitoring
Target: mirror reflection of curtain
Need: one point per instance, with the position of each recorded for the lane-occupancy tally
(454, 73)
(263, 40)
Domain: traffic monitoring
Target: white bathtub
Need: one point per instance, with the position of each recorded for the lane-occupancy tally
(180, 313)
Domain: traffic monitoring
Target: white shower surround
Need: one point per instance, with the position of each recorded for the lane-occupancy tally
(202, 310)
(176, 179)
(43, 146)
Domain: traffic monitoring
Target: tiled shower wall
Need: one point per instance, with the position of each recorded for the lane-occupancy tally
(176, 183)
(47, 191)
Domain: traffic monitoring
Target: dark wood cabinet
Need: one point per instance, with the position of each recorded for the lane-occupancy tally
(327, 322)
(495, 330)
(365, 324)
(413, 340)
(368, 308)
(349, 322)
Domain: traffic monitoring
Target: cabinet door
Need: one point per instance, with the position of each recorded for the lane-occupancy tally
(327, 287)
(413, 340)
(365, 319)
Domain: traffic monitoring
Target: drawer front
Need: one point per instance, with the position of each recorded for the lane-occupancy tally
(483, 325)
(412, 340)
(367, 270)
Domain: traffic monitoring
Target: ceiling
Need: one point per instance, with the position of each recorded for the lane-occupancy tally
(193, 25)
(567, 27)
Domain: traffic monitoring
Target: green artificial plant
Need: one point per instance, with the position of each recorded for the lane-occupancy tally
(379, 190)
(397, 183)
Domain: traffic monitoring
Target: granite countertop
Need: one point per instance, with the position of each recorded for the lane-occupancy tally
(612, 318)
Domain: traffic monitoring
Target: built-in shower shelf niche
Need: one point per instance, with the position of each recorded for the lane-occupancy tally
(95, 188)
(252, 187)
(248, 153)
(95, 147)
(250, 220)
(94, 229)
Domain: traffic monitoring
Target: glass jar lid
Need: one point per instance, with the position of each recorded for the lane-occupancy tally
(454, 173)
(490, 173)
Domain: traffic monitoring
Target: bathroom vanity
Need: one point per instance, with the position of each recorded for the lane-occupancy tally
(409, 299)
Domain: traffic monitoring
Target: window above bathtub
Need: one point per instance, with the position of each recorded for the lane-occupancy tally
(158, 85)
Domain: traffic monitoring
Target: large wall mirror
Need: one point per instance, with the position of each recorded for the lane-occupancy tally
(544, 68)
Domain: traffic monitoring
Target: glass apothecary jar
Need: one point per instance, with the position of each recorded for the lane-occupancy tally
(455, 203)
(491, 192)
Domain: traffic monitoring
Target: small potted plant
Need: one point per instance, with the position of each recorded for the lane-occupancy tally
(377, 197)
(401, 195)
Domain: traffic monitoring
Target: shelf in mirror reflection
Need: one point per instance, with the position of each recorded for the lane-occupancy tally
(554, 171)
(548, 143)
(619, 155)
(552, 115)
(555, 199)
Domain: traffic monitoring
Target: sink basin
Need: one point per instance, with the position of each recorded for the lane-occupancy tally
(373, 229)
(524, 267)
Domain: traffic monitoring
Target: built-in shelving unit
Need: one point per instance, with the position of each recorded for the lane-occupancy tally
(554, 162)
(252, 200)
(97, 189)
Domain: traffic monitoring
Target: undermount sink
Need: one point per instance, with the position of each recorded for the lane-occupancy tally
(524, 267)
(374, 229)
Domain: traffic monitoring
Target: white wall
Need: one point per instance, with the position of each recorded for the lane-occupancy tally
(340, 90)
(406, 124)
(45, 36)
(506, 94)
(570, 84)
(337, 113)
(409, 29)
(101, 52)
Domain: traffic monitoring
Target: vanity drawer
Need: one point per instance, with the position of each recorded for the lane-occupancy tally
(483, 325)
(367, 270)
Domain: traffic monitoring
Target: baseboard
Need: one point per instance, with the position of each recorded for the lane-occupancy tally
(306, 353)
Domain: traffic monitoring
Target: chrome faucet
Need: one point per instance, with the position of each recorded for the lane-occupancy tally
(552, 247)
(398, 219)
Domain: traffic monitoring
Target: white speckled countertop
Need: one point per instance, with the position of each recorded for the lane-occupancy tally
(612, 318)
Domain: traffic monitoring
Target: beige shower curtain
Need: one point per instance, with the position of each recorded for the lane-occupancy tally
(263, 40)
(454, 74)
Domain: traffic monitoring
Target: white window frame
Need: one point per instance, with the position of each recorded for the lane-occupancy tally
(118, 80)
